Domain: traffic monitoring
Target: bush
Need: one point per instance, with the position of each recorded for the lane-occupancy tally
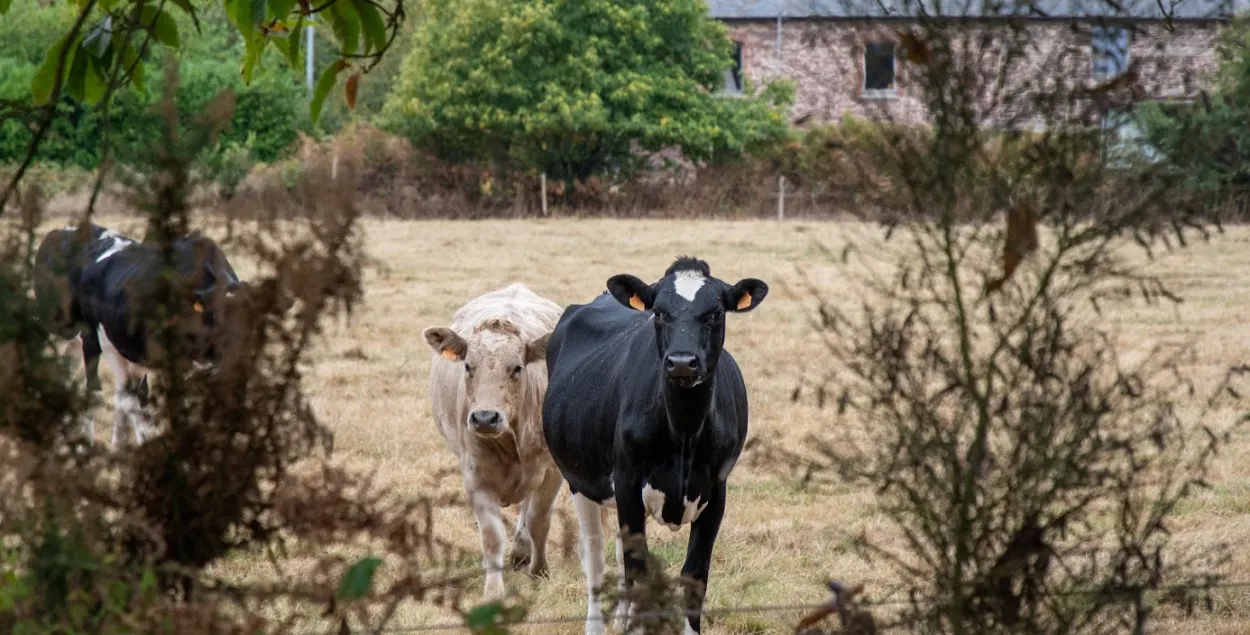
(574, 89)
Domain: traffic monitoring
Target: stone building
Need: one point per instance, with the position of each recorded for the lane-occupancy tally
(846, 57)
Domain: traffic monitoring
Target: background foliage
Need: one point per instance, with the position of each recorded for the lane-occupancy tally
(565, 87)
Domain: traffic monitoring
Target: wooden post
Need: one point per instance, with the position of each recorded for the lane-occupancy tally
(781, 197)
(543, 181)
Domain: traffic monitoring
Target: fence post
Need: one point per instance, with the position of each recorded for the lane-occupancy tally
(543, 183)
(781, 197)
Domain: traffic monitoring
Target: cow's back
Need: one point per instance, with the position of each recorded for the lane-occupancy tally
(597, 369)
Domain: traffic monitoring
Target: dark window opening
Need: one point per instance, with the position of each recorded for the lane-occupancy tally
(733, 78)
(878, 66)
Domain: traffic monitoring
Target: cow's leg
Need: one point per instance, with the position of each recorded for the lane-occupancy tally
(699, 555)
(125, 405)
(621, 616)
(91, 358)
(631, 516)
(494, 536)
(538, 519)
(590, 539)
(522, 545)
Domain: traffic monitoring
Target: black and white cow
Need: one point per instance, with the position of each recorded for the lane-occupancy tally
(646, 412)
(101, 287)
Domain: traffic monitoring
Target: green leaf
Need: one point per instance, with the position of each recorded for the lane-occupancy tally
(258, 11)
(374, 27)
(134, 65)
(77, 76)
(4, 6)
(96, 81)
(293, 42)
(186, 7)
(346, 25)
(254, 48)
(165, 29)
(45, 77)
(280, 9)
(359, 578)
(240, 13)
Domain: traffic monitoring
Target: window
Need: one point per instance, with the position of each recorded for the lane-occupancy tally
(733, 74)
(878, 69)
(1109, 50)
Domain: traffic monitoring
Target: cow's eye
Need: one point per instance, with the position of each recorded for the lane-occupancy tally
(713, 319)
(516, 370)
(468, 369)
(661, 317)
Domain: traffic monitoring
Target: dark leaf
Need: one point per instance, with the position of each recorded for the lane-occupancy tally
(358, 579)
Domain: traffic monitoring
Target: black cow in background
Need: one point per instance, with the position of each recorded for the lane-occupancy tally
(102, 287)
(647, 412)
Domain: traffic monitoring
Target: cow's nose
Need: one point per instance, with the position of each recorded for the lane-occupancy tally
(681, 365)
(485, 420)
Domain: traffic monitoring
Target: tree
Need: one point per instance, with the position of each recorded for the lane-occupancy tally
(568, 86)
(103, 50)
(1210, 140)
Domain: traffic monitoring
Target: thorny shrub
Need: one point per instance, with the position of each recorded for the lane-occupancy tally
(1030, 471)
(96, 541)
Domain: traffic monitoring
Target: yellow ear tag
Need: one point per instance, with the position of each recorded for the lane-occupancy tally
(636, 302)
(450, 355)
(199, 308)
(744, 301)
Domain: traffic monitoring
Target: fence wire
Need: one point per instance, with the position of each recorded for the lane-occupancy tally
(748, 609)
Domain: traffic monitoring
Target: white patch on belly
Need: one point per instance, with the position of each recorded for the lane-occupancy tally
(688, 284)
(119, 244)
(653, 502)
(692, 510)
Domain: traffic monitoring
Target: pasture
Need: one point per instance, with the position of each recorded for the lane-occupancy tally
(778, 542)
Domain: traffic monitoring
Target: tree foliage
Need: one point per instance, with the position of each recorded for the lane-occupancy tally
(1209, 140)
(567, 86)
(104, 48)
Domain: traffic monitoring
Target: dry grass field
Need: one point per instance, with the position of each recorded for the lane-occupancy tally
(779, 542)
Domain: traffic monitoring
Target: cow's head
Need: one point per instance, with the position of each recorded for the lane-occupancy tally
(688, 308)
(495, 360)
(215, 292)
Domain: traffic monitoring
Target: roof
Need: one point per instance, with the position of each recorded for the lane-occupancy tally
(1039, 9)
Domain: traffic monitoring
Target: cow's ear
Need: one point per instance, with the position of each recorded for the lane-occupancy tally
(536, 351)
(445, 342)
(745, 295)
(631, 292)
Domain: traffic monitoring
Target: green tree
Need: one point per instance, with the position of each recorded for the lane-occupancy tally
(567, 86)
(1210, 140)
(103, 50)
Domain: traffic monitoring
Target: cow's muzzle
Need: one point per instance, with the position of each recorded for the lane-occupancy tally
(487, 423)
(684, 370)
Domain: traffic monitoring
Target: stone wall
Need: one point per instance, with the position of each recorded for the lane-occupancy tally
(824, 58)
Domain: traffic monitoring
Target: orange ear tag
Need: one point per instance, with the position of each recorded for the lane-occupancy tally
(199, 308)
(636, 302)
(450, 355)
(744, 301)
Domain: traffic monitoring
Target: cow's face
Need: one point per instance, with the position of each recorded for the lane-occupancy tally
(688, 309)
(218, 293)
(495, 361)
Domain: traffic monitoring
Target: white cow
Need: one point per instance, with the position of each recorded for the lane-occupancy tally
(488, 379)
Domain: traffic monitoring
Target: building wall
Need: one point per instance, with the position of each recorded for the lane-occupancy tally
(824, 59)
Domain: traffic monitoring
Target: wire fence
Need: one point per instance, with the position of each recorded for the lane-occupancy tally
(865, 604)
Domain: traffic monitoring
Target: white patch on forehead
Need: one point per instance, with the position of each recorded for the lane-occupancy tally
(119, 244)
(688, 283)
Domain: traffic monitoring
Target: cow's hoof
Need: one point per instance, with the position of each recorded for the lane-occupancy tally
(519, 561)
(540, 570)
